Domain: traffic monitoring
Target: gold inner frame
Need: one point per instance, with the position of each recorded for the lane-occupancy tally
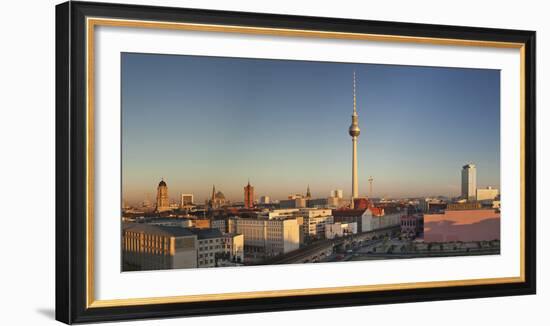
(91, 22)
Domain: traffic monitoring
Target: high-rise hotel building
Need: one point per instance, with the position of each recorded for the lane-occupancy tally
(469, 182)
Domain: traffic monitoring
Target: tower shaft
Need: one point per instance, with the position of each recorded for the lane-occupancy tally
(354, 132)
(354, 177)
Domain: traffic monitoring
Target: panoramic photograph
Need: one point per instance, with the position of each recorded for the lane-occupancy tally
(232, 162)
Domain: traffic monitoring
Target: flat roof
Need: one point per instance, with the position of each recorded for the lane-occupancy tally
(171, 231)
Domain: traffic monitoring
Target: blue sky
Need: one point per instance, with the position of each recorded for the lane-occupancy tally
(198, 121)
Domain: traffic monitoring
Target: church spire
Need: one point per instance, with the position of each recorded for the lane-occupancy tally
(308, 193)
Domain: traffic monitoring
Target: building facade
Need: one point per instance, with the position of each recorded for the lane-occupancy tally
(211, 247)
(269, 237)
(339, 229)
(469, 182)
(293, 203)
(315, 221)
(233, 246)
(163, 202)
(154, 247)
(488, 193)
(462, 225)
(411, 225)
(337, 193)
(186, 200)
(249, 196)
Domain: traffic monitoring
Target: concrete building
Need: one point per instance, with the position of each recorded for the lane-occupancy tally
(186, 200)
(202, 223)
(375, 218)
(317, 203)
(233, 246)
(339, 229)
(299, 202)
(170, 221)
(337, 193)
(269, 237)
(348, 216)
(154, 247)
(249, 196)
(334, 202)
(220, 224)
(462, 225)
(427, 205)
(469, 182)
(315, 221)
(279, 213)
(163, 203)
(411, 225)
(265, 200)
(488, 193)
(211, 247)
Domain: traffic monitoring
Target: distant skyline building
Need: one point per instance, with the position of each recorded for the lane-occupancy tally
(265, 200)
(217, 199)
(248, 196)
(163, 203)
(488, 193)
(187, 199)
(354, 132)
(469, 182)
(337, 193)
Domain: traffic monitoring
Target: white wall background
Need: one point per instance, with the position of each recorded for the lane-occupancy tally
(27, 161)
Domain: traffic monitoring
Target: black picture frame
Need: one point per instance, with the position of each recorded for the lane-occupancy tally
(71, 158)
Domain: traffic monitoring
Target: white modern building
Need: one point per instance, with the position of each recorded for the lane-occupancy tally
(376, 218)
(315, 220)
(337, 193)
(265, 200)
(339, 229)
(488, 193)
(469, 182)
(234, 247)
(271, 237)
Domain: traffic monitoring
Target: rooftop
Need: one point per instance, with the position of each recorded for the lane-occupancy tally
(171, 231)
(206, 233)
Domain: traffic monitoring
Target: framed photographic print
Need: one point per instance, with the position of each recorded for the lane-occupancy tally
(213, 162)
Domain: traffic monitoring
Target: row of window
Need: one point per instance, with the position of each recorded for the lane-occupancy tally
(209, 248)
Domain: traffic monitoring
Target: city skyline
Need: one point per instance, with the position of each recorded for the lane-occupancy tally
(198, 121)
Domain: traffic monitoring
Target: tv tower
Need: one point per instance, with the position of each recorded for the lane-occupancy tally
(354, 132)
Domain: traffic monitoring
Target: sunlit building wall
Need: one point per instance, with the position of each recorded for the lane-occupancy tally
(269, 237)
(153, 247)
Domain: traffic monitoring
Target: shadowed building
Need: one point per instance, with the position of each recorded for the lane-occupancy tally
(249, 196)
